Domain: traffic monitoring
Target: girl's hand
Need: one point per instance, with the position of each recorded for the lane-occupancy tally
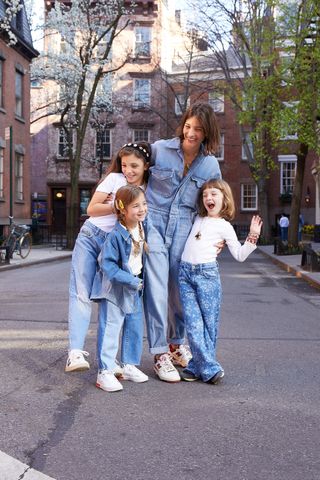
(256, 225)
(109, 198)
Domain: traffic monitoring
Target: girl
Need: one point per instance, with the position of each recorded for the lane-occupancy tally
(199, 280)
(179, 168)
(129, 167)
(119, 281)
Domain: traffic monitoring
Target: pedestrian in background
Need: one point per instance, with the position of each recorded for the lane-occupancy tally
(284, 226)
(300, 227)
(120, 283)
(199, 278)
(179, 167)
(130, 166)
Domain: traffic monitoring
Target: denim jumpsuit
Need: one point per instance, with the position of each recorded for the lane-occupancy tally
(172, 200)
(120, 302)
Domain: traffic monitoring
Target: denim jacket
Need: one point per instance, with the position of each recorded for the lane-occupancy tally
(114, 280)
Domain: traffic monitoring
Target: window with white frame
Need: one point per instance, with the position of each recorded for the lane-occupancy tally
(1, 173)
(180, 104)
(220, 153)
(18, 176)
(103, 144)
(141, 94)
(288, 169)
(249, 196)
(289, 121)
(19, 93)
(216, 100)
(246, 141)
(141, 135)
(142, 41)
(63, 147)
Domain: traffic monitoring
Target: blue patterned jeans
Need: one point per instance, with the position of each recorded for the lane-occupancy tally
(200, 293)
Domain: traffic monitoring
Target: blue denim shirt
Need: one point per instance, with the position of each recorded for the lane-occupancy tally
(170, 195)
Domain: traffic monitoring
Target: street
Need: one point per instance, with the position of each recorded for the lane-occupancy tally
(261, 423)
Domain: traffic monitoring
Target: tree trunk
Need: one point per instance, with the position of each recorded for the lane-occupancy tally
(264, 210)
(297, 195)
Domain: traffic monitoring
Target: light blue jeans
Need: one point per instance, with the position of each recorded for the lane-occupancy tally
(200, 293)
(84, 264)
(111, 320)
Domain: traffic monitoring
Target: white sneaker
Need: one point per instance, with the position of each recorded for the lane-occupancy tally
(117, 370)
(131, 372)
(107, 381)
(165, 370)
(76, 361)
(181, 356)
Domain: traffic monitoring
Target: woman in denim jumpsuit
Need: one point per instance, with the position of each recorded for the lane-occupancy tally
(179, 167)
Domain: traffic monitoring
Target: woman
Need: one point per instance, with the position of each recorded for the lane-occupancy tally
(179, 168)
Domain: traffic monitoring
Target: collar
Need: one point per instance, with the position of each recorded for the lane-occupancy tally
(175, 144)
(123, 231)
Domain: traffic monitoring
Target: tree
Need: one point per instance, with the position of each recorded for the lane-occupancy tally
(87, 30)
(7, 22)
(250, 39)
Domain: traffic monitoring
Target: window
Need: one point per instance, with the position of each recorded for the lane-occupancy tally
(103, 144)
(19, 94)
(216, 100)
(249, 196)
(289, 121)
(143, 41)
(180, 104)
(246, 141)
(1, 82)
(85, 195)
(220, 152)
(141, 135)
(63, 143)
(142, 93)
(19, 176)
(1, 173)
(288, 167)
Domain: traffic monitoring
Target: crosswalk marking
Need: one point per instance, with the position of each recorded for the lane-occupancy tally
(12, 469)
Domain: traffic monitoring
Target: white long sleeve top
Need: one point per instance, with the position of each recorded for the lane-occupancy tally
(212, 231)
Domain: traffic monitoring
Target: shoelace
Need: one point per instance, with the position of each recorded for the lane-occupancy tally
(77, 353)
(165, 363)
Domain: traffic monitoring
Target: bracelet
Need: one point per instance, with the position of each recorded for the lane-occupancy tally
(252, 238)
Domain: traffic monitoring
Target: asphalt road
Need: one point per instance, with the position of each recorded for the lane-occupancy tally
(262, 423)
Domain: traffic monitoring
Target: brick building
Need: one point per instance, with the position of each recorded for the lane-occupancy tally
(15, 120)
(139, 111)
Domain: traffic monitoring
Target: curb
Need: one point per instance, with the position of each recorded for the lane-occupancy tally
(290, 269)
(35, 262)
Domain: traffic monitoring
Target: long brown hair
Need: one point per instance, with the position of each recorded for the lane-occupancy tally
(124, 197)
(205, 114)
(228, 206)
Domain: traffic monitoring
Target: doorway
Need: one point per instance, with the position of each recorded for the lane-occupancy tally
(59, 210)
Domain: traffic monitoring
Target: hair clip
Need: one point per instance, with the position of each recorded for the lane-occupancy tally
(119, 204)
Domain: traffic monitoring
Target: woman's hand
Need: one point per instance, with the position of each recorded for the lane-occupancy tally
(256, 225)
(101, 204)
(220, 246)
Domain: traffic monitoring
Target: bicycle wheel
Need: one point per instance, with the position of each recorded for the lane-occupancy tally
(25, 244)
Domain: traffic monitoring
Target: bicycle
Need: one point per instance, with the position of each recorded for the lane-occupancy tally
(18, 240)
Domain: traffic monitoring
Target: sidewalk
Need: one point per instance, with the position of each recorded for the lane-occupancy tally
(38, 254)
(291, 263)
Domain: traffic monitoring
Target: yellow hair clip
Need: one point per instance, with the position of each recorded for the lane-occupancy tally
(120, 204)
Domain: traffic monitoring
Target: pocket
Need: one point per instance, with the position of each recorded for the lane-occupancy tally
(161, 181)
(210, 274)
(191, 191)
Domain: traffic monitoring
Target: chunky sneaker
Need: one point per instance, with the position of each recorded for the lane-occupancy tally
(188, 376)
(165, 370)
(107, 381)
(180, 355)
(76, 361)
(217, 377)
(131, 372)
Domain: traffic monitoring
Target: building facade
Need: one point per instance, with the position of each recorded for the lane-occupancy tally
(15, 62)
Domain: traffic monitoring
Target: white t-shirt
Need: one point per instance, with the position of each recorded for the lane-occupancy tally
(284, 222)
(135, 261)
(110, 184)
(212, 231)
